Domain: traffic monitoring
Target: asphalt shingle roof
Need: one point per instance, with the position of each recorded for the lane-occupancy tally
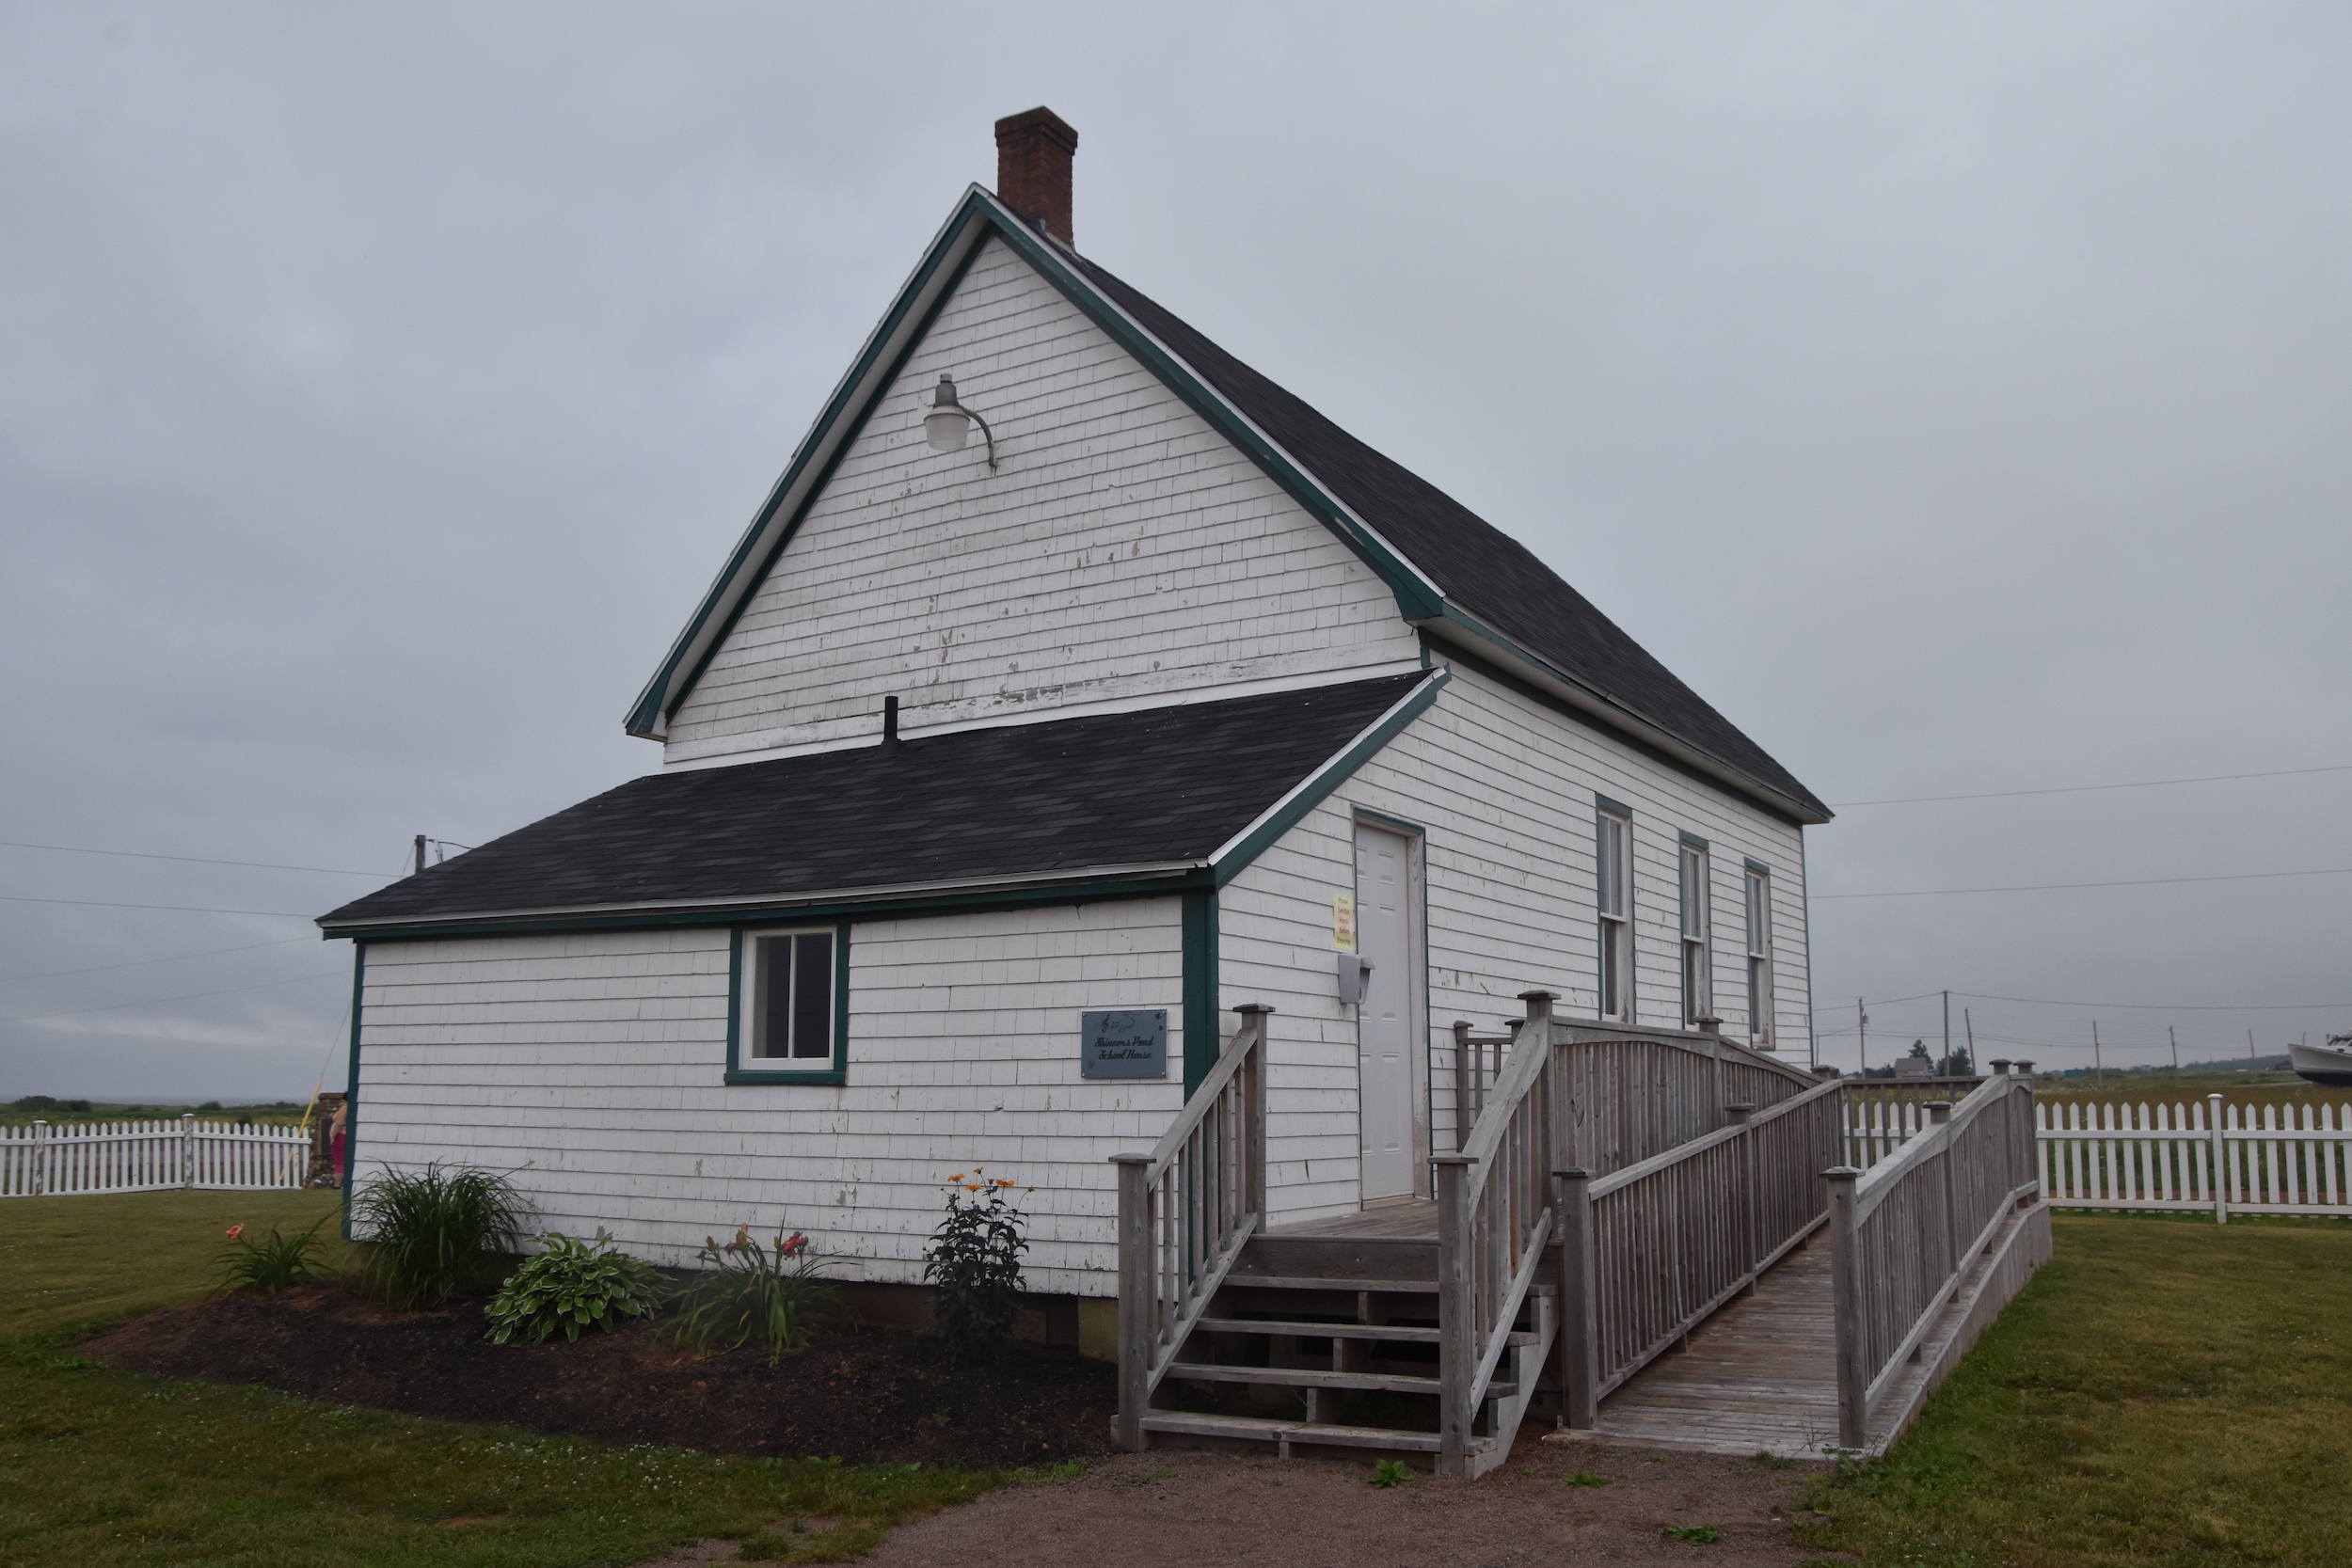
(1168, 784)
(1476, 565)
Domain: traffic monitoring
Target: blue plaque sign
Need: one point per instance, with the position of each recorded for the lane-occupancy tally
(1131, 1044)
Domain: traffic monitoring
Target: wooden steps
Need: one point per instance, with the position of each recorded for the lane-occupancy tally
(1401, 1332)
(1300, 1334)
(1246, 1429)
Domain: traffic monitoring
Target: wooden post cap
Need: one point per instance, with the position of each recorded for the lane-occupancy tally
(1939, 1111)
(1131, 1158)
(1251, 1007)
(1575, 1172)
(1453, 1159)
(2000, 1065)
(1842, 1173)
(2026, 1068)
(1539, 996)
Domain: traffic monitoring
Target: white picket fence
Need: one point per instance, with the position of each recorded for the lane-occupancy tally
(143, 1156)
(2262, 1160)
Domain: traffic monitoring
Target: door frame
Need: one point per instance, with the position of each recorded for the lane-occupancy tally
(1417, 1088)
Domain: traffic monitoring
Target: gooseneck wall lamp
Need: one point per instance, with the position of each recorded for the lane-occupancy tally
(947, 424)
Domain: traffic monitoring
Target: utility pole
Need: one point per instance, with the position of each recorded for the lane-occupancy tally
(2250, 1045)
(1948, 1033)
(420, 841)
(1863, 1029)
(2098, 1068)
(1970, 1024)
(2176, 1047)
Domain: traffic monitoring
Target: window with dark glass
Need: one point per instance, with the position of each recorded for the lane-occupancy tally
(792, 1011)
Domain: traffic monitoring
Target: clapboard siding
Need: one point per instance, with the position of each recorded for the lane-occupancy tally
(1123, 550)
(1503, 788)
(592, 1063)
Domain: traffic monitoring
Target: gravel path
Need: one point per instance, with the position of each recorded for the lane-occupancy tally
(1145, 1510)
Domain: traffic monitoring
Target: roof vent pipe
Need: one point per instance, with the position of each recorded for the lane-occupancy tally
(1034, 152)
(890, 721)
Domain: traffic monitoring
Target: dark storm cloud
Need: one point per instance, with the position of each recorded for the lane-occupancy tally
(1953, 395)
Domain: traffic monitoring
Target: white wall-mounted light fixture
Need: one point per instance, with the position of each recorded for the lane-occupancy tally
(946, 423)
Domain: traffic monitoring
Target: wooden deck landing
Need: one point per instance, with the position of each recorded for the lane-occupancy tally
(1416, 1221)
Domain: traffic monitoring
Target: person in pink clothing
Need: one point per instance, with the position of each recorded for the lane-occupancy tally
(337, 1131)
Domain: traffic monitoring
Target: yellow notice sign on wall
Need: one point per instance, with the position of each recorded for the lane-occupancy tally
(1343, 922)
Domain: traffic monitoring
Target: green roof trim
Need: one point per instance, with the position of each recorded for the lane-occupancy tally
(1311, 792)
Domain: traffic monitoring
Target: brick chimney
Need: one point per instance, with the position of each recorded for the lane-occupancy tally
(1033, 154)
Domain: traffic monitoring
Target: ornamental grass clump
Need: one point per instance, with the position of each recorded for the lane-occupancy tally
(273, 1263)
(434, 1233)
(751, 1292)
(975, 1260)
(572, 1284)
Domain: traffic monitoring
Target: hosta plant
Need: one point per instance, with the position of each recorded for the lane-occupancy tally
(752, 1294)
(571, 1285)
(975, 1260)
(272, 1263)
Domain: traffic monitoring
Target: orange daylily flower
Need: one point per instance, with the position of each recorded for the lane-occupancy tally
(235, 1231)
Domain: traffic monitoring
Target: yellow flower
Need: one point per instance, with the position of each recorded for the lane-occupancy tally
(957, 1177)
(1001, 1182)
(970, 1186)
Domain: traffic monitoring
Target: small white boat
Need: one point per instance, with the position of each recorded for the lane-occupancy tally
(2330, 1064)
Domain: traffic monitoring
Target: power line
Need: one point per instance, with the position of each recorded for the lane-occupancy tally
(2058, 887)
(192, 996)
(135, 963)
(186, 859)
(2159, 1007)
(2081, 789)
(186, 907)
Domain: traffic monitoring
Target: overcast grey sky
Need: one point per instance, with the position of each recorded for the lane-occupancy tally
(1956, 395)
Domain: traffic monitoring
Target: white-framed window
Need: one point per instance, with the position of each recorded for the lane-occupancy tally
(1698, 967)
(1613, 829)
(1759, 956)
(789, 1006)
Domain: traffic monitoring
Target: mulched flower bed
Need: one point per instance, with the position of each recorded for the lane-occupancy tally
(878, 1395)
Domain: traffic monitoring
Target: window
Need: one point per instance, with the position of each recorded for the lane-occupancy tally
(1698, 968)
(1759, 956)
(1613, 829)
(790, 1009)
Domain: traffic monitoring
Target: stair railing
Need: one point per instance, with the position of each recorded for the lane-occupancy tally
(1185, 1212)
(1494, 1220)
(1650, 1250)
(1477, 1063)
(1905, 1232)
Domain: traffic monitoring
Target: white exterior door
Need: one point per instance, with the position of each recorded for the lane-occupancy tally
(1384, 1018)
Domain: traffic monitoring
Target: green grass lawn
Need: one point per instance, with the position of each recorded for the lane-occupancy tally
(2167, 1391)
(108, 1467)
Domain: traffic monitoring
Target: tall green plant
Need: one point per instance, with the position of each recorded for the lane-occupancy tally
(750, 1292)
(433, 1233)
(975, 1260)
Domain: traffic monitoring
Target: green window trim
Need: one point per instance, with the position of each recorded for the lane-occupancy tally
(1204, 1040)
(833, 1076)
(1602, 802)
(1695, 841)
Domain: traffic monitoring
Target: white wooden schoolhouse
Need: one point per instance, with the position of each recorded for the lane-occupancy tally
(1074, 687)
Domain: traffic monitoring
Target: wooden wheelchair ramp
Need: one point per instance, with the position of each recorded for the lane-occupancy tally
(1760, 1376)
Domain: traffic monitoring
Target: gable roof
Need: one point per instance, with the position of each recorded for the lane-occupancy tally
(1177, 796)
(1452, 572)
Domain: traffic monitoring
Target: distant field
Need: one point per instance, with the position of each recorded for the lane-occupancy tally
(22, 1113)
(2235, 1088)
